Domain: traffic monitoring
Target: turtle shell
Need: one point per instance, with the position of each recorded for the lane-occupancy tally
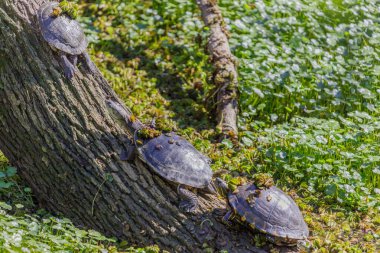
(175, 159)
(61, 32)
(271, 211)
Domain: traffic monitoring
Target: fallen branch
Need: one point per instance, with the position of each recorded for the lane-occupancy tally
(225, 74)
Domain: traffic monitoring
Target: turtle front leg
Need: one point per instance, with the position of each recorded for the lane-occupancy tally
(190, 200)
(128, 154)
(211, 188)
(68, 67)
(74, 59)
(91, 66)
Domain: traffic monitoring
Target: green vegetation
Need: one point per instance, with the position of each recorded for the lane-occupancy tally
(23, 228)
(69, 8)
(309, 104)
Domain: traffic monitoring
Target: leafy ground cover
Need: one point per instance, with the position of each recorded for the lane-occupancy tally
(309, 104)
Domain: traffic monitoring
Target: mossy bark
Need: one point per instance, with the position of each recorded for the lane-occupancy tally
(225, 76)
(61, 137)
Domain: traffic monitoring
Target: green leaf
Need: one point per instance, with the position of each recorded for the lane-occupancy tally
(11, 171)
(247, 141)
(227, 143)
(376, 70)
(5, 206)
(19, 206)
(331, 190)
(5, 185)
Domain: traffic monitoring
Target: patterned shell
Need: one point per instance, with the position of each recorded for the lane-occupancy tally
(176, 160)
(61, 32)
(271, 211)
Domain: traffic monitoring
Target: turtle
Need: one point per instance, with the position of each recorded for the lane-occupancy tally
(176, 160)
(167, 154)
(65, 36)
(268, 210)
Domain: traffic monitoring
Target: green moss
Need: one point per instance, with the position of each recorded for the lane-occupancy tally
(263, 180)
(368, 237)
(376, 220)
(148, 133)
(346, 227)
(3, 160)
(164, 125)
(235, 182)
(69, 8)
(152, 249)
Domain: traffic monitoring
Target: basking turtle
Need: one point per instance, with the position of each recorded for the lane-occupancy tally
(270, 211)
(170, 156)
(65, 36)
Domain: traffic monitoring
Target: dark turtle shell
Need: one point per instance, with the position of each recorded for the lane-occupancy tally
(271, 211)
(176, 160)
(61, 32)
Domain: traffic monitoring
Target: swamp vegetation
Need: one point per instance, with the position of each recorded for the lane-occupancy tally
(309, 84)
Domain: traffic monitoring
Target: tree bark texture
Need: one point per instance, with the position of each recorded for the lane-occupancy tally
(60, 135)
(225, 75)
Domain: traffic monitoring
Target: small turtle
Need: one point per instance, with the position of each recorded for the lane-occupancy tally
(270, 211)
(175, 159)
(65, 36)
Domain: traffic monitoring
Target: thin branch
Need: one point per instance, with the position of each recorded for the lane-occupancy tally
(225, 74)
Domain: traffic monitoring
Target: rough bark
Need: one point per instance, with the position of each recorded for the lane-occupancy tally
(225, 75)
(60, 135)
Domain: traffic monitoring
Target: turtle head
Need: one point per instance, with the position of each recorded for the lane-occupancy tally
(56, 12)
(221, 187)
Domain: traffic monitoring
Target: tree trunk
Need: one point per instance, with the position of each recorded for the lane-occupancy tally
(59, 133)
(225, 76)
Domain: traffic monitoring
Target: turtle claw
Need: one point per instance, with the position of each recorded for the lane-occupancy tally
(124, 155)
(69, 72)
(91, 66)
(128, 154)
(68, 67)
